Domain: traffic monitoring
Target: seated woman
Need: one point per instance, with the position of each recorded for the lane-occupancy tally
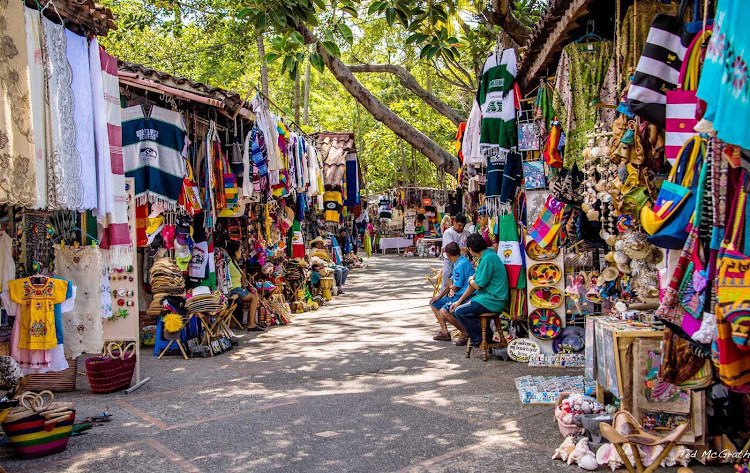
(490, 281)
(319, 251)
(440, 303)
(238, 285)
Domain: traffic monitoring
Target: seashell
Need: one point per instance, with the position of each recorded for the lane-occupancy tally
(599, 186)
(580, 451)
(596, 152)
(606, 151)
(592, 215)
(586, 153)
(585, 207)
(607, 455)
(621, 258)
(564, 449)
(588, 462)
(611, 240)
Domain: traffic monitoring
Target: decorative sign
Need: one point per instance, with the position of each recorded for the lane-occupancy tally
(521, 349)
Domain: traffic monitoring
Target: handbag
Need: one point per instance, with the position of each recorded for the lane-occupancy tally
(731, 346)
(674, 206)
(190, 197)
(547, 225)
(658, 69)
(551, 151)
(681, 103)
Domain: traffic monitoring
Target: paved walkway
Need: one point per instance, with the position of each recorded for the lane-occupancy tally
(358, 385)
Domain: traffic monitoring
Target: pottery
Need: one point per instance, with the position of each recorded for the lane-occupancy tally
(546, 297)
(545, 324)
(544, 274)
(538, 253)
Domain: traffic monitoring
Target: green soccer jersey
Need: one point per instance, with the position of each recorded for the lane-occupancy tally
(496, 98)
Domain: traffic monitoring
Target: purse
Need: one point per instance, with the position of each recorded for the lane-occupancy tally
(551, 151)
(658, 69)
(668, 220)
(190, 197)
(731, 346)
(681, 103)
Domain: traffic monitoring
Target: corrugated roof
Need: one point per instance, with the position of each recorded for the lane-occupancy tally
(231, 100)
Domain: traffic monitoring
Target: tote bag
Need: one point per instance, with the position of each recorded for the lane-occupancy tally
(681, 103)
(731, 346)
(658, 69)
(676, 200)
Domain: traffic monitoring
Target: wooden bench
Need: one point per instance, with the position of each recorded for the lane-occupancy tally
(485, 345)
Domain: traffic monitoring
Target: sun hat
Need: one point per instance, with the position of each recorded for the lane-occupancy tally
(318, 239)
(156, 210)
(155, 224)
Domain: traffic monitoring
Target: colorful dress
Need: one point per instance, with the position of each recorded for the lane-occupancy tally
(725, 81)
(37, 325)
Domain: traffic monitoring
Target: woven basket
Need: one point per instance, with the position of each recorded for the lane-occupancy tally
(113, 371)
(38, 427)
(57, 381)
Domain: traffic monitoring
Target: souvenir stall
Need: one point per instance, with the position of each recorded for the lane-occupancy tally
(632, 210)
(221, 172)
(67, 220)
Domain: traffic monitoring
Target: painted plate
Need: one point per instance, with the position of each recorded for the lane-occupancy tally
(546, 297)
(544, 274)
(545, 324)
(538, 253)
(521, 349)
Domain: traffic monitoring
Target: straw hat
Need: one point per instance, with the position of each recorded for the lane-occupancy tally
(610, 273)
(318, 239)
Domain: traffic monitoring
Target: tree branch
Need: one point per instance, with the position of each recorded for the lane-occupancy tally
(501, 15)
(434, 152)
(407, 80)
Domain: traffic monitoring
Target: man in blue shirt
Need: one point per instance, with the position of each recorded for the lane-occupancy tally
(440, 303)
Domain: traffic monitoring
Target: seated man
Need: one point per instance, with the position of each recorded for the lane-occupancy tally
(490, 281)
(440, 303)
(319, 255)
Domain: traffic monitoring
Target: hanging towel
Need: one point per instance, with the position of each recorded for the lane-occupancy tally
(63, 164)
(115, 240)
(154, 148)
(104, 186)
(38, 106)
(17, 161)
(78, 57)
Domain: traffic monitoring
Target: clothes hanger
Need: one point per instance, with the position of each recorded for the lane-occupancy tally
(589, 37)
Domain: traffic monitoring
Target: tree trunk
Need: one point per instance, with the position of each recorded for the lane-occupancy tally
(306, 106)
(407, 80)
(296, 97)
(263, 65)
(501, 15)
(434, 152)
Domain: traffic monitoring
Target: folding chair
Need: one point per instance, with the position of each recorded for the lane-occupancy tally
(436, 280)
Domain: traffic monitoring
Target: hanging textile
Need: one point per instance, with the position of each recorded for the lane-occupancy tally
(352, 180)
(17, 159)
(104, 184)
(580, 75)
(333, 203)
(37, 300)
(82, 327)
(154, 148)
(725, 80)
(63, 163)
(266, 122)
(78, 58)
(504, 172)
(115, 239)
(470, 141)
(38, 105)
(509, 250)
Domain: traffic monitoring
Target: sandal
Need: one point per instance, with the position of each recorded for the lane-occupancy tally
(442, 337)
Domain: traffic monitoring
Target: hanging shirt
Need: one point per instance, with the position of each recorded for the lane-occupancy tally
(472, 133)
(496, 97)
(37, 325)
(333, 203)
(154, 148)
(503, 174)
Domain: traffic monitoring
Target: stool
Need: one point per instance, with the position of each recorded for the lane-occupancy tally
(485, 345)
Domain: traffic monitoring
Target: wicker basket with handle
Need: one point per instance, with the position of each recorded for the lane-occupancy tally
(112, 371)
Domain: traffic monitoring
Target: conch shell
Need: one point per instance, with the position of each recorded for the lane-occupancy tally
(563, 451)
(607, 455)
(580, 451)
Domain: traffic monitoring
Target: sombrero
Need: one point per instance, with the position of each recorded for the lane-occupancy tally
(572, 339)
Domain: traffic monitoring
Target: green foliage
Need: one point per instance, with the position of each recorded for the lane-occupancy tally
(213, 41)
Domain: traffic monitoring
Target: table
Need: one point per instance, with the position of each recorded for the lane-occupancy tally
(395, 242)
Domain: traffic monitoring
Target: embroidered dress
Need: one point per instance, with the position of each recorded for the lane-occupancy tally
(82, 327)
(17, 161)
(154, 148)
(725, 79)
(580, 75)
(37, 325)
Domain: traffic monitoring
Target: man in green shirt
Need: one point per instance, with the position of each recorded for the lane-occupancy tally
(490, 281)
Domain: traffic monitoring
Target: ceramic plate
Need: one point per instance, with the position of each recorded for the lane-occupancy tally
(545, 324)
(544, 274)
(546, 297)
(538, 253)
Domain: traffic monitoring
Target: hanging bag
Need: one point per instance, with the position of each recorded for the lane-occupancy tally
(681, 103)
(659, 67)
(551, 151)
(190, 198)
(667, 221)
(731, 346)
